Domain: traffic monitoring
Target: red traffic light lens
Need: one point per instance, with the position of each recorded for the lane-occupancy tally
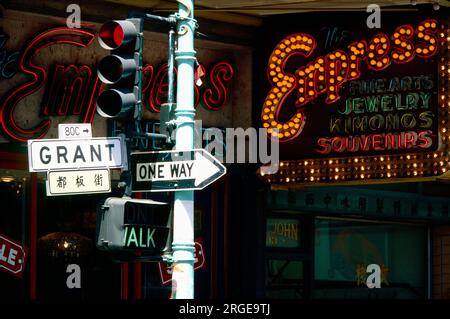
(114, 34)
(111, 35)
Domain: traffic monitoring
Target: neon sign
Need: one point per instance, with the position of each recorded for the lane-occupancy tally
(38, 77)
(72, 89)
(215, 95)
(327, 75)
(8, 60)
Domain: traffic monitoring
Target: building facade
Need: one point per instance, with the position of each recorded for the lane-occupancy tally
(360, 195)
(362, 178)
(49, 77)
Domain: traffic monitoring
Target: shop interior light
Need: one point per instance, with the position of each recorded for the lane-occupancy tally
(436, 5)
(7, 179)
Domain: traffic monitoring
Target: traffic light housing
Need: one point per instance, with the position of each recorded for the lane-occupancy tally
(130, 225)
(121, 71)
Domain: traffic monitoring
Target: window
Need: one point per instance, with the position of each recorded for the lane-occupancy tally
(344, 249)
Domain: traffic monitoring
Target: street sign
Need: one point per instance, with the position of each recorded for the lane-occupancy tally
(78, 182)
(54, 154)
(167, 171)
(12, 256)
(165, 271)
(72, 131)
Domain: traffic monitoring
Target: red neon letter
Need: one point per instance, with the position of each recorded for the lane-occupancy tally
(38, 77)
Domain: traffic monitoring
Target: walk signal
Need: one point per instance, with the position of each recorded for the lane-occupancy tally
(126, 224)
(122, 70)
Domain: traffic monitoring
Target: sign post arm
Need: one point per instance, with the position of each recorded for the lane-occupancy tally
(183, 226)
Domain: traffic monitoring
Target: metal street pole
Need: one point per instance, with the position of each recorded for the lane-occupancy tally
(183, 224)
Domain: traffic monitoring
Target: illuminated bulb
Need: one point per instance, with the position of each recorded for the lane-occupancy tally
(408, 157)
(312, 171)
(305, 163)
(287, 180)
(330, 162)
(311, 179)
(436, 5)
(66, 244)
(362, 175)
(388, 174)
(381, 158)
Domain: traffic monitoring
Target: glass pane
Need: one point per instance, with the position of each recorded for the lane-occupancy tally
(345, 249)
(12, 226)
(284, 279)
(282, 233)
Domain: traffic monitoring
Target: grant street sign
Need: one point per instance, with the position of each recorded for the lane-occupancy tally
(167, 171)
(55, 154)
(78, 182)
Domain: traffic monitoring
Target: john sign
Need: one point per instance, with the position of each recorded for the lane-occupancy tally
(12, 256)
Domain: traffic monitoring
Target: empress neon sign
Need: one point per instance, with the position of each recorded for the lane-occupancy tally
(72, 89)
(327, 74)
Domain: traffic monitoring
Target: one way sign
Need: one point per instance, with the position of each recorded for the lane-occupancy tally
(167, 171)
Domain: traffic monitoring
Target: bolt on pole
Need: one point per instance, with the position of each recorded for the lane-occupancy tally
(183, 225)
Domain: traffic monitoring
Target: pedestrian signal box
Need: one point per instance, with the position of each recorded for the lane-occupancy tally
(140, 225)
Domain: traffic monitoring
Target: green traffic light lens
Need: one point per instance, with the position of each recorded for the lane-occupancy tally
(115, 104)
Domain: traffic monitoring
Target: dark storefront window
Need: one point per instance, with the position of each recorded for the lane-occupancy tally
(284, 279)
(344, 249)
(13, 225)
(288, 256)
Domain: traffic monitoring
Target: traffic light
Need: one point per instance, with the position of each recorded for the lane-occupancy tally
(126, 224)
(122, 70)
